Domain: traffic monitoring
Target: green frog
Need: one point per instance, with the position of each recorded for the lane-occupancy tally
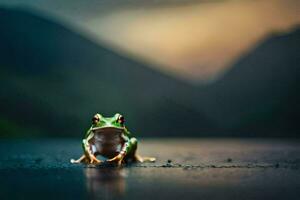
(109, 138)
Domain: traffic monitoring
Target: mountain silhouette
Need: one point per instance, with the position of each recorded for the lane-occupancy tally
(54, 80)
(259, 95)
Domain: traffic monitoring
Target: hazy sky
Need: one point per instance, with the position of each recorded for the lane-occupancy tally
(195, 40)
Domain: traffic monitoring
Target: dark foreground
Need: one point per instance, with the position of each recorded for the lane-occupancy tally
(185, 169)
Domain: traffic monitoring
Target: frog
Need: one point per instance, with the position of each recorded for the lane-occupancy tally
(109, 138)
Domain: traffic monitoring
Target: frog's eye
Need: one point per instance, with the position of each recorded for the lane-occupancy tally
(121, 120)
(95, 119)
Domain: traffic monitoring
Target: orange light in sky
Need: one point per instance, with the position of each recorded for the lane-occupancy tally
(195, 41)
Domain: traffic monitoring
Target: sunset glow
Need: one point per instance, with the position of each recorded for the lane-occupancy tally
(198, 41)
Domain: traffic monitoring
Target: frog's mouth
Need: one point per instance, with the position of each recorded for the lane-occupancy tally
(108, 129)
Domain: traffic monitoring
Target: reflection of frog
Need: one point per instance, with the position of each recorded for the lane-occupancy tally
(109, 137)
(109, 183)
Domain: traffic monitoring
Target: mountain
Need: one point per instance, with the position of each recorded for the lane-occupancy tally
(259, 96)
(53, 80)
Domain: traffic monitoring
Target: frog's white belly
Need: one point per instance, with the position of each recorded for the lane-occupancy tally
(107, 143)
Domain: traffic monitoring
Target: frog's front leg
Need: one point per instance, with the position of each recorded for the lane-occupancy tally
(88, 157)
(128, 150)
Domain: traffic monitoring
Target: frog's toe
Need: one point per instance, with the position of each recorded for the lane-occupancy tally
(117, 160)
(95, 161)
(149, 159)
(80, 160)
(75, 161)
(144, 159)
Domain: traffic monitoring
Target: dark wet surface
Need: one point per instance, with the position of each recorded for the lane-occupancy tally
(185, 169)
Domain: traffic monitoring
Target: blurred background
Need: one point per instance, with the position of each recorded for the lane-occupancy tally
(184, 68)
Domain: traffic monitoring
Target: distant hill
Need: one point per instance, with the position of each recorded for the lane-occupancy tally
(53, 80)
(260, 94)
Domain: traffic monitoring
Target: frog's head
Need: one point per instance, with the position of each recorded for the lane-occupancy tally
(101, 123)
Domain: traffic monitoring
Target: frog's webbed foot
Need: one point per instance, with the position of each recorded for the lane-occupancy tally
(87, 160)
(117, 159)
(144, 159)
(93, 159)
(80, 160)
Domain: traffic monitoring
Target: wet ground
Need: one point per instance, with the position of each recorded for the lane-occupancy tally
(185, 169)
